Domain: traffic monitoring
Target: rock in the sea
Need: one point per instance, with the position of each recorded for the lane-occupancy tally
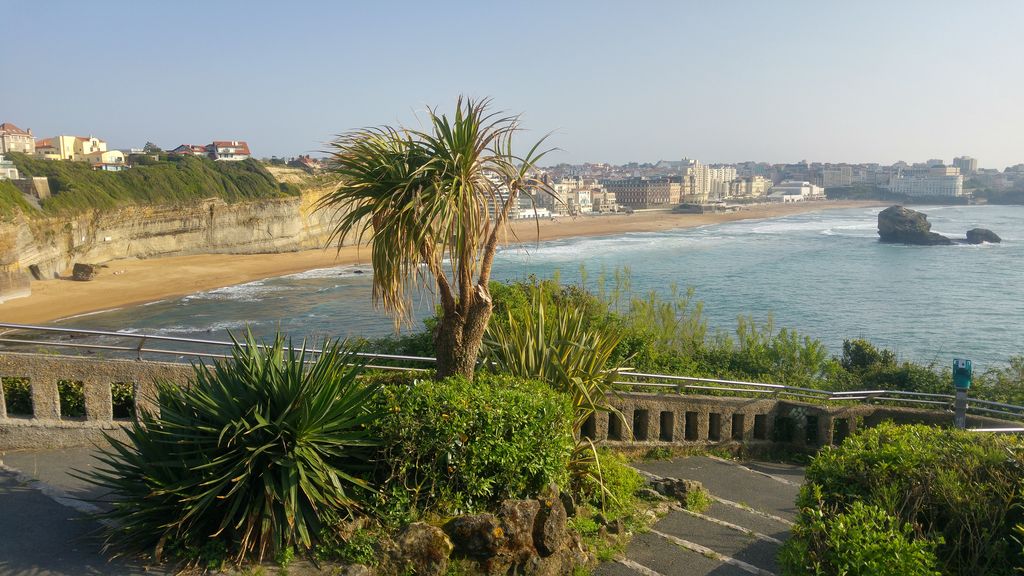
(83, 272)
(981, 235)
(901, 225)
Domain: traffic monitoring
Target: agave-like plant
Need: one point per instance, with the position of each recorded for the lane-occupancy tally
(561, 350)
(254, 453)
(570, 356)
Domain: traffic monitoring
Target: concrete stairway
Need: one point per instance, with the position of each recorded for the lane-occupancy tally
(739, 534)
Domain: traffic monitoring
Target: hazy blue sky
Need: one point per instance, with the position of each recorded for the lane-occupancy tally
(616, 81)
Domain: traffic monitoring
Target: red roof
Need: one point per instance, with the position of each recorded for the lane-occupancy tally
(242, 146)
(12, 129)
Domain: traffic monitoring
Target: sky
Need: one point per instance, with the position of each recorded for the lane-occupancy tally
(723, 81)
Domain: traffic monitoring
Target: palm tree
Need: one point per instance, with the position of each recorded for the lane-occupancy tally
(433, 203)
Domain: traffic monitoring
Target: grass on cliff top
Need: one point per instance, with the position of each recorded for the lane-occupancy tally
(77, 188)
(12, 201)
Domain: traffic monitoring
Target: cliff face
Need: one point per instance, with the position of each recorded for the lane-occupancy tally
(49, 246)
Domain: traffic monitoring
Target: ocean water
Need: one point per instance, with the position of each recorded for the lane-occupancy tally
(823, 274)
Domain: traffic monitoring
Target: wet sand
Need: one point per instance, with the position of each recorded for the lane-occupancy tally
(130, 282)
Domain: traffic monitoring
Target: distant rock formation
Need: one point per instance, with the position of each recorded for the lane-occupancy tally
(900, 225)
(982, 235)
(84, 272)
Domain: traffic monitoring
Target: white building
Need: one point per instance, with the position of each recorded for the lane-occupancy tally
(796, 191)
(580, 201)
(935, 181)
(7, 169)
(229, 150)
(709, 183)
(498, 198)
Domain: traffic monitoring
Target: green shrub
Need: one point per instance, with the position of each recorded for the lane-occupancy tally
(12, 202)
(249, 456)
(698, 500)
(620, 483)
(17, 396)
(557, 347)
(72, 398)
(78, 188)
(122, 394)
(955, 487)
(355, 547)
(863, 541)
(455, 446)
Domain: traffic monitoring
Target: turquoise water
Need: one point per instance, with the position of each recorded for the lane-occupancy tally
(824, 274)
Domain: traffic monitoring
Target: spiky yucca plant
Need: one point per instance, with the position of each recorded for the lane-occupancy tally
(253, 454)
(570, 356)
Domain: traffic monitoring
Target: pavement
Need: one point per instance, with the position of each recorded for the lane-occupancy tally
(738, 535)
(47, 528)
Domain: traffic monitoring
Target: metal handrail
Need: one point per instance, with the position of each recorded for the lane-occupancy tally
(144, 337)
(662, 381)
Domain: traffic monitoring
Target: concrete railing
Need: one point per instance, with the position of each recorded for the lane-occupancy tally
(653, 408)
(646, 418)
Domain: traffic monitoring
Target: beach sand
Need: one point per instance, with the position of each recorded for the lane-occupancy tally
(130, 282)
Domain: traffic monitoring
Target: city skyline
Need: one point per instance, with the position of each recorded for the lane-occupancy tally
(867, 83)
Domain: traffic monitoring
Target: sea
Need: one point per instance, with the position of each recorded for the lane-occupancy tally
(823, 274)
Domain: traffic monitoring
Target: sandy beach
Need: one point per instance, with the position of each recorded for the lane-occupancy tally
(131, 282)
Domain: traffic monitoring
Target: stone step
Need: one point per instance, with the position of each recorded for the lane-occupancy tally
(649, 554)
(748, 548)
(734, 482)
(749, 520)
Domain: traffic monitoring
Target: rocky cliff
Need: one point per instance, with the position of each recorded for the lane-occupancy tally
(48, 247)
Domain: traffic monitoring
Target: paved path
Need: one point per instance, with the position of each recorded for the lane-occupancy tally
(45, 529)
(738, 535)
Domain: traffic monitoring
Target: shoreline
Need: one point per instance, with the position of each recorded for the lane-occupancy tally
(133, 282)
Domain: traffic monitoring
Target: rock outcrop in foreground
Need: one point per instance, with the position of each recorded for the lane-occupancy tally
(900, 225)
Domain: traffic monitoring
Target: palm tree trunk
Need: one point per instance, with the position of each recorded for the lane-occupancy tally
(458, 337)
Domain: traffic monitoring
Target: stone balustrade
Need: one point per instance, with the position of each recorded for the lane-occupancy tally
(641, 418)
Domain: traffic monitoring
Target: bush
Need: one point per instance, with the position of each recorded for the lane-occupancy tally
(17, 396)
(122, 395)
(864, 541)
(457, 446)
(78, 188)
(958, 488)
(72, 398)
(557, 345)
(247, 459)
(12, 202)
(620, 484)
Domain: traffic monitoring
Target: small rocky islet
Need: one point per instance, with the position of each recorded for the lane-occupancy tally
(901, 225)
